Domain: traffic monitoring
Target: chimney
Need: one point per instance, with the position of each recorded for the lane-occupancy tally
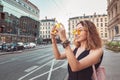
(95, 14)
(83, 15)
(46, 17)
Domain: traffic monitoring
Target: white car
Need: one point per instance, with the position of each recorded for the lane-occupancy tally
(26, 45)
(32, 45)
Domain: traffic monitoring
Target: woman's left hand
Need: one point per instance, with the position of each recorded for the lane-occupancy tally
(61, 32)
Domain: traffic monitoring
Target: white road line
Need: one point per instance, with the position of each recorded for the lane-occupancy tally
(50, 72)
(31, 68)
(34, 71)
(39, 75)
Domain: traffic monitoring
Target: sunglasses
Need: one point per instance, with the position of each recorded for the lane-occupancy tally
(76, 32)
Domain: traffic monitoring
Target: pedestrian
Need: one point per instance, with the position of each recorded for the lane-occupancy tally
(87, 51)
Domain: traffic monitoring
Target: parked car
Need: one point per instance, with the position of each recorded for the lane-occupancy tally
(17, 46)
(0, 47)
(6, 47)
(32, 45)
(26, 45)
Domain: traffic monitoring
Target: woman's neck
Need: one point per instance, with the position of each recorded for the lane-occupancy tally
(83, 44)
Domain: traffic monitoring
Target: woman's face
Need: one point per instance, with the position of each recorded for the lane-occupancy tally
(82, 36)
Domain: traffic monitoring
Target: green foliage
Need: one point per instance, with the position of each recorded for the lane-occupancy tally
(39, 40)
(114, 46)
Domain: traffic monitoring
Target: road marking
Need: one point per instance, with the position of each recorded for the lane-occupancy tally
(50, 72)
(31, 68)
(34, 71)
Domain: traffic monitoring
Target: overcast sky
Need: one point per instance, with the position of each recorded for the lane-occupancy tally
(63, 9)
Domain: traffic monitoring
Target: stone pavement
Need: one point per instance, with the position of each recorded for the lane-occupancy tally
(111, 61)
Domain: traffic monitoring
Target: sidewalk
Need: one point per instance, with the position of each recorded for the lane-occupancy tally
(111, 62)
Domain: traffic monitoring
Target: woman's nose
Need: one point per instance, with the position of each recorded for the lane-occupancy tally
(76, 35)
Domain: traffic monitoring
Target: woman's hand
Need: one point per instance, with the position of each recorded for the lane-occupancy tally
(52, 33)
(61, 33)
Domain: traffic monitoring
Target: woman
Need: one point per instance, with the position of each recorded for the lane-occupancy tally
(87, 52)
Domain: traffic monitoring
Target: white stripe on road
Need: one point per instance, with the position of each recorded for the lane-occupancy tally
(50, 72)
(31, 68)
(34, 70)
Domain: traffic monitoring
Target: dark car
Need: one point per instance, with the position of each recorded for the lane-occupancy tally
(6, 47)
(0, 47)
(17, 46)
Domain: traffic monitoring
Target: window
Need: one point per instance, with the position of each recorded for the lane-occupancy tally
(76, 21)
(116, 9)
(72, 22)
(17, 0)
(105, 19)
(73, 26)
(101, 34)
(101, 19)
(116, 29)
(101, 24)
(20, 3)
(29, 8)
(2, 15)
(105, 34)
(105, 24)
(97, 20)
(36, 12)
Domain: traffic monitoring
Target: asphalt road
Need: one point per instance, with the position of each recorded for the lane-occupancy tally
(39, 64)
(36, 64)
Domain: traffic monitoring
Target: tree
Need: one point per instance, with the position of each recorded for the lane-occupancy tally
(39, 40)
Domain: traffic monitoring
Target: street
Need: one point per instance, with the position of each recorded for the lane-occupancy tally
(39, 64)
(36, 64)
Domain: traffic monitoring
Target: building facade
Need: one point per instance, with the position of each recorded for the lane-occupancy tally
(99, 20)
(19, 21)
(45, 28)
(113, 10)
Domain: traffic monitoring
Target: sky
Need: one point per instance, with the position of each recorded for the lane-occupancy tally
(62, 10)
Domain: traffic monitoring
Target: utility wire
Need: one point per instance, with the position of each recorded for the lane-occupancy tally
(57, 4)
